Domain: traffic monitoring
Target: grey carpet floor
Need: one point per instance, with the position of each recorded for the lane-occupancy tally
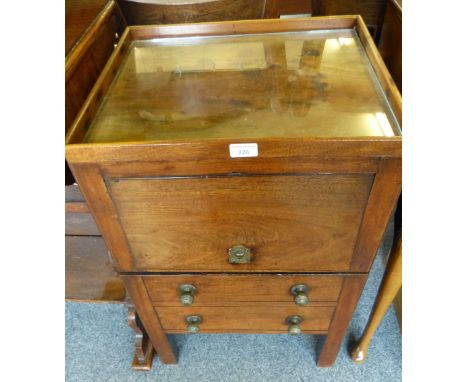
(99, 347)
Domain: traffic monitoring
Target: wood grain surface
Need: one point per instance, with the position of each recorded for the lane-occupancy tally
(173, 12)
(382, 203)
(306, 85)
(349, 297)
(258, 319)
(150, 320)
(293, 7)
(372, 11)
(101, 207)
(91, 51)
(89, 273)
(227, 289)
(79, 15)
(390, 43)
(291, 223)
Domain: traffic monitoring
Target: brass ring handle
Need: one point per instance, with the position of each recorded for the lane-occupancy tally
(187, 292)
(293, 322)
(299, 291)
(193, 323)
(239, 254)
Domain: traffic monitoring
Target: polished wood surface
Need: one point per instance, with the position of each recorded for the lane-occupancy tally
(144, 351)
(398, 305)
(292, 7)
(349, 297)
(149, 318)
(130, 186)
(305, 84)
(372, 11)
(174, 12)
(92, 27)
(91, 103)
(213, 289)
(206, 166)
(389, 288)
(167, 155)
(381, 204)
(268, 214)
(390, 43)
(89, 273)
(241, 319)
(146, 32)
(79, 15)
(386, 80)
(85, 61)
(101, 206)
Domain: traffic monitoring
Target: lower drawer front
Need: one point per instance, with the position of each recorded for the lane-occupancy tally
(213, 290)
(262, 318)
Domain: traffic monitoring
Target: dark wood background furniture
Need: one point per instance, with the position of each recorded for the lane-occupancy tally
(177, 206)
(390, 48)
(293, 7)
(147, 12)
(92, 28)
(390, 289)
(172, 12)
(372, 11)
(89, 272)
(390, 43)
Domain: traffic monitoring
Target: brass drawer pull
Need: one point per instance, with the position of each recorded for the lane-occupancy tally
(239, 254)
(299, 291)
(193, 324)
(187, 292)
(293, 322)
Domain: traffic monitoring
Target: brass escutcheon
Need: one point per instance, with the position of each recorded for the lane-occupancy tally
(239, 254)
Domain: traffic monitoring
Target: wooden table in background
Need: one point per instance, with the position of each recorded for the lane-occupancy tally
(390, 47)
(92, 28)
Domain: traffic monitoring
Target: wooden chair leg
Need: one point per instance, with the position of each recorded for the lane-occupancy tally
(391, 284)
(144, 350)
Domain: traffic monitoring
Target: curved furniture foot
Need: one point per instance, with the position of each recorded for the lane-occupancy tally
(144, 351)
(391, 284)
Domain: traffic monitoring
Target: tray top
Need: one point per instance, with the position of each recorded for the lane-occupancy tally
(292, 84)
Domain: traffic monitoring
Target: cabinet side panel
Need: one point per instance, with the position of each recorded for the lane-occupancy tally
(382, 200)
